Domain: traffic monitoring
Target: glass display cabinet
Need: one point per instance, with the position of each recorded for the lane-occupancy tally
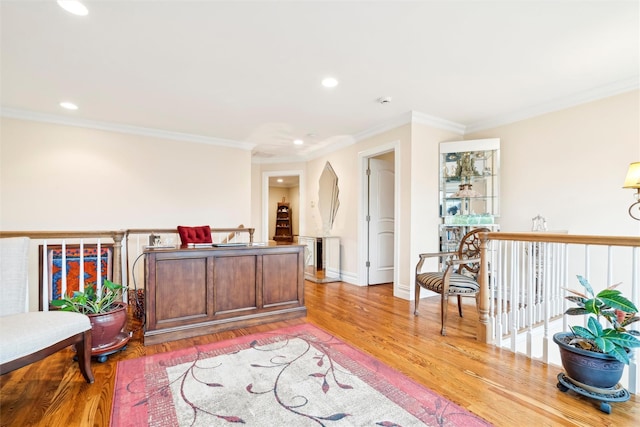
(469, 188)
(321, 258)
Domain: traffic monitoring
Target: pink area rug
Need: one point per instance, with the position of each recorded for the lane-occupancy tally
(296, 376)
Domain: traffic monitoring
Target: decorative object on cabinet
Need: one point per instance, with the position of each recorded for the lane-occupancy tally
(633, 181)
(328, 201)
(459, 277)
(539, 223)
(469, 188)
(321, 258)
(283, 224)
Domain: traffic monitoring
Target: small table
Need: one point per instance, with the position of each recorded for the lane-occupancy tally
(321, 258)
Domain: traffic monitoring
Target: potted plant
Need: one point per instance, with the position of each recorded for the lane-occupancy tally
(593, 355)
(106, 312)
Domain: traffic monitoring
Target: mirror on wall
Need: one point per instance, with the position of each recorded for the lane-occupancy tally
(328, 198)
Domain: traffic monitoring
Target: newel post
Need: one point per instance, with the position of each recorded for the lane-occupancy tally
(117, 256)
(485, 333)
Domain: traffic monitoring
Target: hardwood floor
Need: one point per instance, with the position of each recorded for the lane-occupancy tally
(503, 388)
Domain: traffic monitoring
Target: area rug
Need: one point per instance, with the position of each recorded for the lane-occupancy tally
(296, 376)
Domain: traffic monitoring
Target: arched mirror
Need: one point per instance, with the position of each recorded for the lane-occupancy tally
(328, 198)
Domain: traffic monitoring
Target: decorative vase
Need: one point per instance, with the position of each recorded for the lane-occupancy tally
(106, 327)
(588, 367)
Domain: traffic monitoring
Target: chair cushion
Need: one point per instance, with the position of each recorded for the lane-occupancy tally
(14, 273)
(458, 283)
(201, 234)
(25, 333)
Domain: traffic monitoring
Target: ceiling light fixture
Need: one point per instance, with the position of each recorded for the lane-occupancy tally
(280, 180)
(74, 6)
(329, 82)
(69, 105)
(298, 141)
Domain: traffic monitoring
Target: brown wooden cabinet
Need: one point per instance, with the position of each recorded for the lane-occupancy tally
(192, 292)
(284, 231)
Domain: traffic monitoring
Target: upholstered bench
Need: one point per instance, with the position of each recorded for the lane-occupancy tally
(26, 337)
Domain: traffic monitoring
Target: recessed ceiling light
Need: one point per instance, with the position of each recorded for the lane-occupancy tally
(69, 105)
(329, 82)
(74, 6)
(298, 141)
(280, 180)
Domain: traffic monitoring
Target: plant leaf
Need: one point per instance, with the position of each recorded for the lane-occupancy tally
(583, 332)
(576, 311)
(594, 326)
(617, 301)
(584, 282)
(620, 354)
(605, 345)
(621, 339)
(591, 306)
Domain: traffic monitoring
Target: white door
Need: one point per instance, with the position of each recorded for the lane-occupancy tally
(381, 220)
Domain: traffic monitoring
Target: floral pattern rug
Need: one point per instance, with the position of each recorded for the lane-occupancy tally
(296, 376)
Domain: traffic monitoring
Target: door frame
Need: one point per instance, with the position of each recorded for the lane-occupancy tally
(265, 199)
(363, 241)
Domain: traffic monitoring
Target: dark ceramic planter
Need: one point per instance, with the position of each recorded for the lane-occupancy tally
(588, 367)
(105, 327)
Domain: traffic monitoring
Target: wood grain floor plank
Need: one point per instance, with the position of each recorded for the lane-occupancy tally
(505, 389)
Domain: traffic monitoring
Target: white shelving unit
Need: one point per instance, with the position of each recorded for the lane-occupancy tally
(469, 188)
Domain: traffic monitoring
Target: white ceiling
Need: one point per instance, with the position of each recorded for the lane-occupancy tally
(248, 73)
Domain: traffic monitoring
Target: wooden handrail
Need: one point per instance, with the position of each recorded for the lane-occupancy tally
(230, 230)
(565, 238)
(64, 234)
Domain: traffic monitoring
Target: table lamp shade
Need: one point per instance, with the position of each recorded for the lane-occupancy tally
(633, 176)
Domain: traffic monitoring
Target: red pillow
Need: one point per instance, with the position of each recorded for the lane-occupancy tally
(200, 234)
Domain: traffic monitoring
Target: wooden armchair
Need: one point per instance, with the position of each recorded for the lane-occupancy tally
(458, 278)
(26, 337)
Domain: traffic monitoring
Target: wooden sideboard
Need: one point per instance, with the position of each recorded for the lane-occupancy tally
(197, 291)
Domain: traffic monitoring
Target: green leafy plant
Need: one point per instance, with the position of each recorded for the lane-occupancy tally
(89, 302)
(611, 305)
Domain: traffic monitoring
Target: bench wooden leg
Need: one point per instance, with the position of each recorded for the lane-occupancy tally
(83, 349)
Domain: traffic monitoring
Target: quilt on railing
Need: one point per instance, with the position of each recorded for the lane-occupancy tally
(90, 269)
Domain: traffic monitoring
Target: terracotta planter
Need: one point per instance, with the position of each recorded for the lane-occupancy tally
(106, 327)
(588, 367)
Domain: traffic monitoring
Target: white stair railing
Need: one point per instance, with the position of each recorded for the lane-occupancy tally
(524, 281)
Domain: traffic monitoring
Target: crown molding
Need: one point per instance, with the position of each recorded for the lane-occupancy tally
(600, 92)
(411, 117)
(394, 123)
(437, 122)
(127, 129)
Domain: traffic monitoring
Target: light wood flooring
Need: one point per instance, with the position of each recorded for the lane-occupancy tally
(503, 388)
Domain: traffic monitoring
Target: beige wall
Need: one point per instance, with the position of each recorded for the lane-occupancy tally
(569, 166)
(348, 225)
(56, 177)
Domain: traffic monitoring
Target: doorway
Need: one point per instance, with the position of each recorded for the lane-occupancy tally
(379, 192)
(275, 186)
